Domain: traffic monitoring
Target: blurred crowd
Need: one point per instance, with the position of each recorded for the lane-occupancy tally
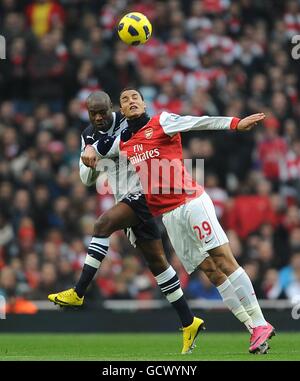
(206, 57)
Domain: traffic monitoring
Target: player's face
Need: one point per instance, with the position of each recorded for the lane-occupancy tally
(132, 104)
(100, 114)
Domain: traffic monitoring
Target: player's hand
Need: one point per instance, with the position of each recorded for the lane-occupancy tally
(250, 121)
(89, 157)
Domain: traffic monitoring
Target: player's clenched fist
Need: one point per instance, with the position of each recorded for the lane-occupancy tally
(250, 121)
(89, 157)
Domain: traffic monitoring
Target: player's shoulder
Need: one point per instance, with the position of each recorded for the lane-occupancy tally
(119, 123)
(167, 117)
(90, 135)
(120, 119)
(88, 131)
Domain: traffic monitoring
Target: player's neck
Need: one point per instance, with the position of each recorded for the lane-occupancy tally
(139, 122)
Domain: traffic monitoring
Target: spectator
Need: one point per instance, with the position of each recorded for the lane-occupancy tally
(271, 286)
(48, 282)
(253, 270)
(8, 283)
(43, 15)
(240, 219)
(200, 288)
(6, 231)
(218, 195)
(271, 150)
(8, 289)
(293, 289)
(120, 71)
(22, 208)
(96, 51)
(46, 70)
(32, 269)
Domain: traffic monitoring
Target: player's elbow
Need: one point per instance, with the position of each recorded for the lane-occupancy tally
(84, 178)
(86, 183)
(88, 177)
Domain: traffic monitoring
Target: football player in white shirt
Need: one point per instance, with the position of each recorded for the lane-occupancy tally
(189, 216)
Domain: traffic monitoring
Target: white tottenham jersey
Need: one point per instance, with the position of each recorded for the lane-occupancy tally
(121, 175)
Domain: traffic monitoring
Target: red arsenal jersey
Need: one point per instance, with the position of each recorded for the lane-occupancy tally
(155, 151)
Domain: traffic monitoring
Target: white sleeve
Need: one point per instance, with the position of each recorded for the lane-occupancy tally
(88, 175)
(173, 123)
(108, 147)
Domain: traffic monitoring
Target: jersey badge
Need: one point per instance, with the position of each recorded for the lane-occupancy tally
(149, 133)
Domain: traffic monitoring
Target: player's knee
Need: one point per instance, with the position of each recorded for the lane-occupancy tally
(209, 269)
(103, 226)
(157, 264)
(226, 265)
(215, 276)
(218, 277)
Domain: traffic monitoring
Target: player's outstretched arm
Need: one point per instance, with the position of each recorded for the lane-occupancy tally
(172, 123)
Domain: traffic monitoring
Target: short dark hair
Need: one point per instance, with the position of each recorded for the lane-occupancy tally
(131, 88)
(98, 95)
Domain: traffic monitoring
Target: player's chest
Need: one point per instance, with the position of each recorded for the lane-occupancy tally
(147, 144)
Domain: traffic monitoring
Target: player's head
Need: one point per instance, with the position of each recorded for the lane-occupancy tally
(100, 110)
(132, 103)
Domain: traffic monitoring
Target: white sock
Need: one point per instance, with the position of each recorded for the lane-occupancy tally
(231, 300)
(97, 251)
(245, 292)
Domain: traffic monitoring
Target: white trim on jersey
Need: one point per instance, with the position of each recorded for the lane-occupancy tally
(88, 176)
(173, 123)
(114, 150)
(82, 145)
(111, 129)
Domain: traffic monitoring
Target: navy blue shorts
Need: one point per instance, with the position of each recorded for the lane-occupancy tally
(147, 229)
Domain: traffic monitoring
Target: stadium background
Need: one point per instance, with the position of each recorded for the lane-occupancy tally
(210, 57)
